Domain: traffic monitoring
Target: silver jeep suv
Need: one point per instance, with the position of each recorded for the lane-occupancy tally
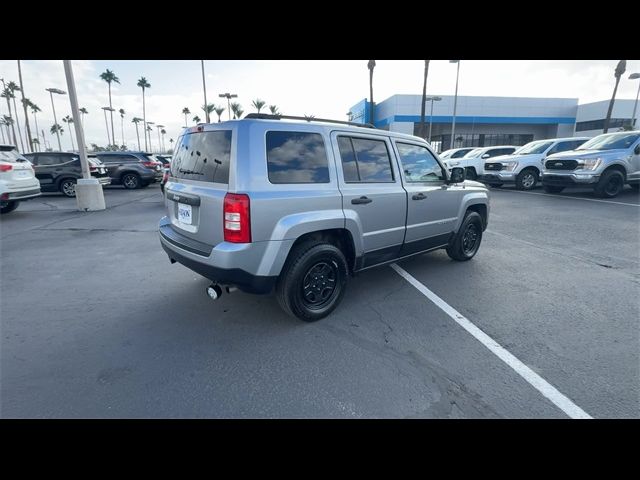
(280, 202)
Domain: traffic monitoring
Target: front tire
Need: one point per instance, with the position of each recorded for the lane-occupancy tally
(9, 207)
(313, 281)
(131, 181)
(552, 189)
(526, 179)
(610, 184)
(467, 241)
(68, 187)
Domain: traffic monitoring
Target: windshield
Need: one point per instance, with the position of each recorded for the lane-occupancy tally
(533, 147)
(610, 142)
(10, 154)
(474, 153)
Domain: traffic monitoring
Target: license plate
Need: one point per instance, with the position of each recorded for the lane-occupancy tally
(23, 173)
(184, 213)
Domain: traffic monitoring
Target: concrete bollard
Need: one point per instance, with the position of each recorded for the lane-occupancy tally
(89, 195)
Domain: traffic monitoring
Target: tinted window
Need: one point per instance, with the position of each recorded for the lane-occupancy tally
(44, 159)
(373, 163)
(419, 164)
(610, 142)
(563, 147)
(349, 164)
(296, 157)
(117, 158)
(460, 153)
(203, 156)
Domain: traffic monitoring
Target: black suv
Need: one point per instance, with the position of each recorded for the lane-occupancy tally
(131, 169)
(59, 171)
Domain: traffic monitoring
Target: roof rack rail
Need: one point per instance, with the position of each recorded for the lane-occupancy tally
(266, 116)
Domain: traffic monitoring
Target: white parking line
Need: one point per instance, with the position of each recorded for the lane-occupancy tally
(539, 383)
(566, 196)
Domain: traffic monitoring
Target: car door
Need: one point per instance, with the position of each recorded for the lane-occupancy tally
(372, 193)
(44, 166)
(634, 162)
(432, 208)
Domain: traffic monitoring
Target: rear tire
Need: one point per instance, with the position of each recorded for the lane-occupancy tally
(9, 206)
(131, 181)
(313, 281)
(610, 184)
(68, 187)
(552, 189)
(527, 179)
(467, 241)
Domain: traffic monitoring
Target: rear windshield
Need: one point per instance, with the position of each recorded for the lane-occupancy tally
(203, 156)
(10, 154)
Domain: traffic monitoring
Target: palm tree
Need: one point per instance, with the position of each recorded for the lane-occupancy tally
(108, 76)
(56, 128)
(6, 93)
(24, 106)
(371, 65)
(2, 124)
(144, 84)
(208, 109)
(219, 111)
(171, 144)
(13, 87)
(35, 109)
(8, 122)
(83, 111)
(137, 120)
(163, 132)
(122, 113)
(236, 109)
(258, 104)
(35, 141)
(185, 112)
(620, 69)
(149, 130)
(196, 119)
(68, 120)
(424, 98)
(274, 110)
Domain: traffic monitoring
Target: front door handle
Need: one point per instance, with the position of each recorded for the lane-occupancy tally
(361, 200)
(419, 196)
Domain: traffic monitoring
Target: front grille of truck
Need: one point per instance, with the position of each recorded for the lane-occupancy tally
(561, 164)
(493, 166)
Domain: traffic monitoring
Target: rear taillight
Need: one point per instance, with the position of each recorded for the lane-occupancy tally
(5, 168)
(237, 218)
(92, 168)
(149, 164)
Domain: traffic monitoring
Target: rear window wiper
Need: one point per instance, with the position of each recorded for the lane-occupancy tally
(190, 172)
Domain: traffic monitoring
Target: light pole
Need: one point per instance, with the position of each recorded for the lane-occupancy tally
(635, 76)
(204, 87)
(55, 121)
(228, 96)
(431, 99)
(150, 146)
(158, 128)
(455, 102)
(107, 109)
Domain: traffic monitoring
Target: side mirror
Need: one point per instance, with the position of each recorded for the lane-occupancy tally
(486, 155)
(637, 150)
(457, 175)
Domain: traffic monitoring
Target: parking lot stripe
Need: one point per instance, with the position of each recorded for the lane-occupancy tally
(535, 380)
(567, 196)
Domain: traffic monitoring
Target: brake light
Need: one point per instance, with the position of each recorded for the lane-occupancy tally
(149, 164)
(5, 167)
(237, 218)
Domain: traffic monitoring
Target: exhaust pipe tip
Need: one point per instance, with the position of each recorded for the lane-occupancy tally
(214, 291)
(230, 289)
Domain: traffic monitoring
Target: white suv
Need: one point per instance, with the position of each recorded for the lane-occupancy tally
(17, 179)
(473, 161)
(525, 166)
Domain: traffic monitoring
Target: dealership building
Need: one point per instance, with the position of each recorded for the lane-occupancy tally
(487, 121)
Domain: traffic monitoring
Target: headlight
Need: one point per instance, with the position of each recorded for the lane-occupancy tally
(452, 164)
(589, 163)
(509, 166)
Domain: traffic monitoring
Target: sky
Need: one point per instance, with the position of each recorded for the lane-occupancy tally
(323, 88)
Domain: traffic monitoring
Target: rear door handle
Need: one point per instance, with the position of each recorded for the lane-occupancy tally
(419, 196)
(361, 200)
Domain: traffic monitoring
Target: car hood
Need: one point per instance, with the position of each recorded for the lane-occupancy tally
(586, 154)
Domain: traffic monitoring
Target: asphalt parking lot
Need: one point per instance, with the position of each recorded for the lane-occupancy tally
(96, 323)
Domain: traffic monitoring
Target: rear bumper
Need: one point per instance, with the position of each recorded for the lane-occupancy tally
(20, 194)
(215, 263)
(569, 180)
(103, 180)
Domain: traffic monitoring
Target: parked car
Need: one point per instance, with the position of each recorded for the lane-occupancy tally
(131, 169)
(605, 163)
(300, 205)
(165, 178)
(165, 160)
(18, 181)
(456, 152)
(524, 166)
(473, 161)
(59, 171)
